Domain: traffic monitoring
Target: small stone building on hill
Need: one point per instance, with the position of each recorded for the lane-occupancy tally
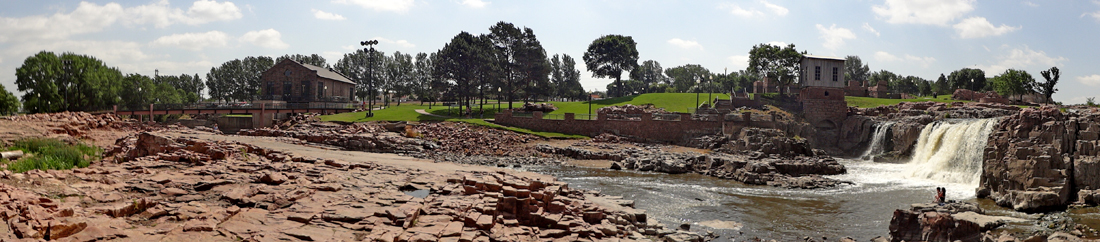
(822, 71)
(293, 82)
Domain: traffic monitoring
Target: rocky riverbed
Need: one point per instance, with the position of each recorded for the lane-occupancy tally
(180, 184)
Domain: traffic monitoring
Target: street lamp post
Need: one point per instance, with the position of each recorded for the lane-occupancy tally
(370, 75)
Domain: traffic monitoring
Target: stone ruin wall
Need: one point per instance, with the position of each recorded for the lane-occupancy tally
(644, 128)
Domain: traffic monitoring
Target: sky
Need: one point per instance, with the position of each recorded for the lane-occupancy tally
(923, 38)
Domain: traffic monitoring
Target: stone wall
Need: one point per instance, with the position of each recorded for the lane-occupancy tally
(1042, 159)
(644, 128)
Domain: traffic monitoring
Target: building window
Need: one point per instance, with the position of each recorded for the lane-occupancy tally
(817, 73)
(320, 89)
(305, 89)
(834, 74)
(270, 88)
(286, 88)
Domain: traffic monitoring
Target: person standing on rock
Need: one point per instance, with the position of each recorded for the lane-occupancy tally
(941, 195)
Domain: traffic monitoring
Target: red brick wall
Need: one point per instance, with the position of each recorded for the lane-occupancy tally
(825, 93)
(646, 128)
(825, 113)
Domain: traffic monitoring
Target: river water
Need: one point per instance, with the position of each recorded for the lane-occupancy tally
(944, 158)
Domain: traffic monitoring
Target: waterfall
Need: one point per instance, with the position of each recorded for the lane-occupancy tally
(951, 150)
(878, 142)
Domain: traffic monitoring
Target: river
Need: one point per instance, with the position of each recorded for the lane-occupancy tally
(862, 210)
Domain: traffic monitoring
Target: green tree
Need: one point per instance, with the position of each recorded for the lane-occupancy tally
(69, 82)
(9, 104)
(967, 78)
(925, 87)
(687, 76)
(855, 70)
(883, 75)
(566, 78)
(534, 69)
(777, 63)
(651, 74)
(610, 55)
(399, 72)
(422, 78)
(1047, 88)
(458, 65)
(1014, 83)
(238, 80)
(941, 86)
(312, 59)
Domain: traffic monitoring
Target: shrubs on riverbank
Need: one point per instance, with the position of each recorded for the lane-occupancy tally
(52, 154)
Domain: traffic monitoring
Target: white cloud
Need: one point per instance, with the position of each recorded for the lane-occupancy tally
(834, 37)
(326, 15)
(402, 43)
(268, 38)
(194, 41)
(204, 11)
(922, 61)
(884, 56)
(475, 3)
(739, 61)
(398, 6)
(686, 44)
(1030, 4)
(887, 57)
(350, 47)
(1091, 80)
(978, 27)
(91, 18)
(109, 51)
(1022, 58)
(1095, 15)
(332, 55)
(867, 26)
(741, 12)
(934, 12)
(777, 43)
(778, 10)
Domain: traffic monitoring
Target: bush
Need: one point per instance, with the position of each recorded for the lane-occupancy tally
(52, 154)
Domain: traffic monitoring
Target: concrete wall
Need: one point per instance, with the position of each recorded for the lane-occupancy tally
(231, 125)
(644, 128)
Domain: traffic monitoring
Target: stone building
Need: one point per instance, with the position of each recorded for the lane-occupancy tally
(293, 82)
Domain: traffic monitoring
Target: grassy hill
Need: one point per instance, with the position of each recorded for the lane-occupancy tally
(870, 102)
(675, 102)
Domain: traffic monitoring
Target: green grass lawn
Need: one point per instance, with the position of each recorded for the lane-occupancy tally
(674, 102)
(870, 102)
(407, 112)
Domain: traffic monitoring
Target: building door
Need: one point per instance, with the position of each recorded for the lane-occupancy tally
(305, 91)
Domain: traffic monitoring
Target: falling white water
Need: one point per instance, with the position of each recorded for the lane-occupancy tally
(878, 142)
(951, 150)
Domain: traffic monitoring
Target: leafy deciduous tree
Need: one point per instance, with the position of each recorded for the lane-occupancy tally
(855, 70)
(777, 63)
(1047, 88)
(610, 55)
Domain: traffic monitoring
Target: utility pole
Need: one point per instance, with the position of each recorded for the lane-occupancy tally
(370, 76)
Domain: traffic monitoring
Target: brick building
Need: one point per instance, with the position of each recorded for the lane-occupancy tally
(293, 82)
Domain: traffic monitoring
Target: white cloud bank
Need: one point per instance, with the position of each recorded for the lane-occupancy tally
(978, 27)
(397, 6)
(268, 38)
(193, 41)
(834, 37)
(326, 15)
(685, 44)
(933, 12)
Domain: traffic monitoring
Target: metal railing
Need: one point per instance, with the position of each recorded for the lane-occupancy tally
(585, 116)
(554, 116)
(236, 105)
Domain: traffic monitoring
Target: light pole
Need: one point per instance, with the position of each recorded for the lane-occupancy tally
(697, 81)
(370, 76)
(590, 104)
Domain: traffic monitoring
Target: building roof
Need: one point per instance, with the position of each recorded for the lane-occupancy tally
(326, 73)
(822, 57)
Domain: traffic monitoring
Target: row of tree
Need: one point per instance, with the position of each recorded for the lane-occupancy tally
(71, 82)
(1010, 83)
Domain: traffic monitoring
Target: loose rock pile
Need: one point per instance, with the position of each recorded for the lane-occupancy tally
(629, 111)
(358, 137)
(471, 140)
(542, 107)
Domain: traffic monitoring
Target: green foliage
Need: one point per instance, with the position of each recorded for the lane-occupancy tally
(238, 80)
(687, 76)
(9, 104)
(462, 63)
(942, 86)
(566, 78)
(651, 75)
(52, 154)
(1014, 82)
(967, 78)
(1091, 101)
(66, 82)
(777, 63)
(1047, 88)
(312, 59)
(610, 55)
(855, 70)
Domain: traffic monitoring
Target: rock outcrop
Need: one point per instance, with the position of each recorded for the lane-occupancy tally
(943, 222)
(357, 137)
(164, 187)
(1042, 159)
(756, 168)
